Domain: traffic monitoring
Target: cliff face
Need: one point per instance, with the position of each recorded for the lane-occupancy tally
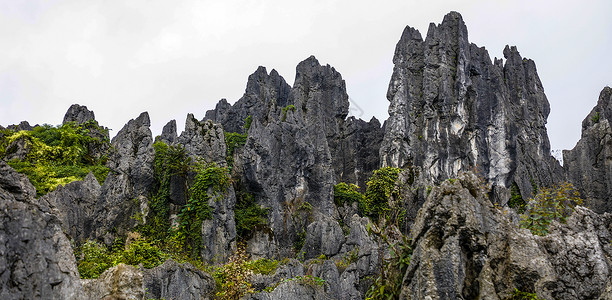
(589, 165)
(452, 108)
(284, 147)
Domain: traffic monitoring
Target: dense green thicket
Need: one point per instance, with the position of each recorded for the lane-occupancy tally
(94, 259)
(57, 155)
(249, 216)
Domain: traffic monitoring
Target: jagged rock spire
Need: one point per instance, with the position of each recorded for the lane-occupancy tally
(453, 109)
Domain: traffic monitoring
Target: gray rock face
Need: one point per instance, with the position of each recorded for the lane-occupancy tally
(74, 204)
(119, 282)
(589, 165)
(466, 248)
(219, 233)
(78, 114)
(36, 260)
(454, 109)
(169, 135)
(177, 281)
(204, 140)
(323, 237)
(129, 183)
(264, 94)
(356, 154)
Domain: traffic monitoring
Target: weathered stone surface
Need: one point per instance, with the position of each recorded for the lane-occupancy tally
(36, 260)
(78, 114)
(264, 96)
(356, 155)
(177, 281)
(74, 205)
(204, 140)
(589, 165)
(323, 236)
(168, 134)
(466, 248)
(129, 183)
(454, 109)
(219, 232)
(119, 282)
(293, 289)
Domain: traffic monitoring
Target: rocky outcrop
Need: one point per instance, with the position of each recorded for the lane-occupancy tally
(466, 248)
(78, 114)
(167, 281)
(119, 282)
(36, 260)
(219, 232)
(589, 165)
(169, 135)
(204, 140)
(74, 205)
(265, 94)
(129, 182)
(454, 109)
(177, 281)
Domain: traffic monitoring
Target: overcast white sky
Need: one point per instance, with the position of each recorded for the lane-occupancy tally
(120, 58)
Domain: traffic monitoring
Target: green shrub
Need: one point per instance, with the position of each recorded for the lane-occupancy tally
(285, 109)
(263, 266)
(93, 259)
(519, 295)
(556, 203)
(57, 155)
(347, 193)
(248, 215)
(381, 187)
(233, 278)
(516, 200)
(142, 252)
(595, 118)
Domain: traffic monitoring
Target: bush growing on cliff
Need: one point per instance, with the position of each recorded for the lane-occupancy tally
(197, 209)
(381, 187)
(347, 193)
(57, 155)
(556, 203)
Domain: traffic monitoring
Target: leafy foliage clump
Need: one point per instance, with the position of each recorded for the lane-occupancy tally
(94, 259)
(248, 215)
(213, 178)
(233, 141)
(516, 200)
(556, 203)
(285, 110)
(519, 295)
(347, 193)
(381, 187)
(169, 161)
(233, 278)
(57, 155)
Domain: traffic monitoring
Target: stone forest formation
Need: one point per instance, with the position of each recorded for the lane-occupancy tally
(281, 195)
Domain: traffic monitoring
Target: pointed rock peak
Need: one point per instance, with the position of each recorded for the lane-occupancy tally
(410, 33)
(78, 114)
(374, 121)
(453, 18)
(511, 51)
(143, 119)
(310, 61)
(601, 111)
(169, 134)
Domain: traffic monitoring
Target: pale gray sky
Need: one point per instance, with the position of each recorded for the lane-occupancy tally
(120, 58)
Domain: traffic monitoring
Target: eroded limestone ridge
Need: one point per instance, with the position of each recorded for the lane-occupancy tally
(589, 165)
(452, 108)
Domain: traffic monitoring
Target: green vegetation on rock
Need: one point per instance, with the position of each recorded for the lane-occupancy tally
(556, 203)
(56, 155)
